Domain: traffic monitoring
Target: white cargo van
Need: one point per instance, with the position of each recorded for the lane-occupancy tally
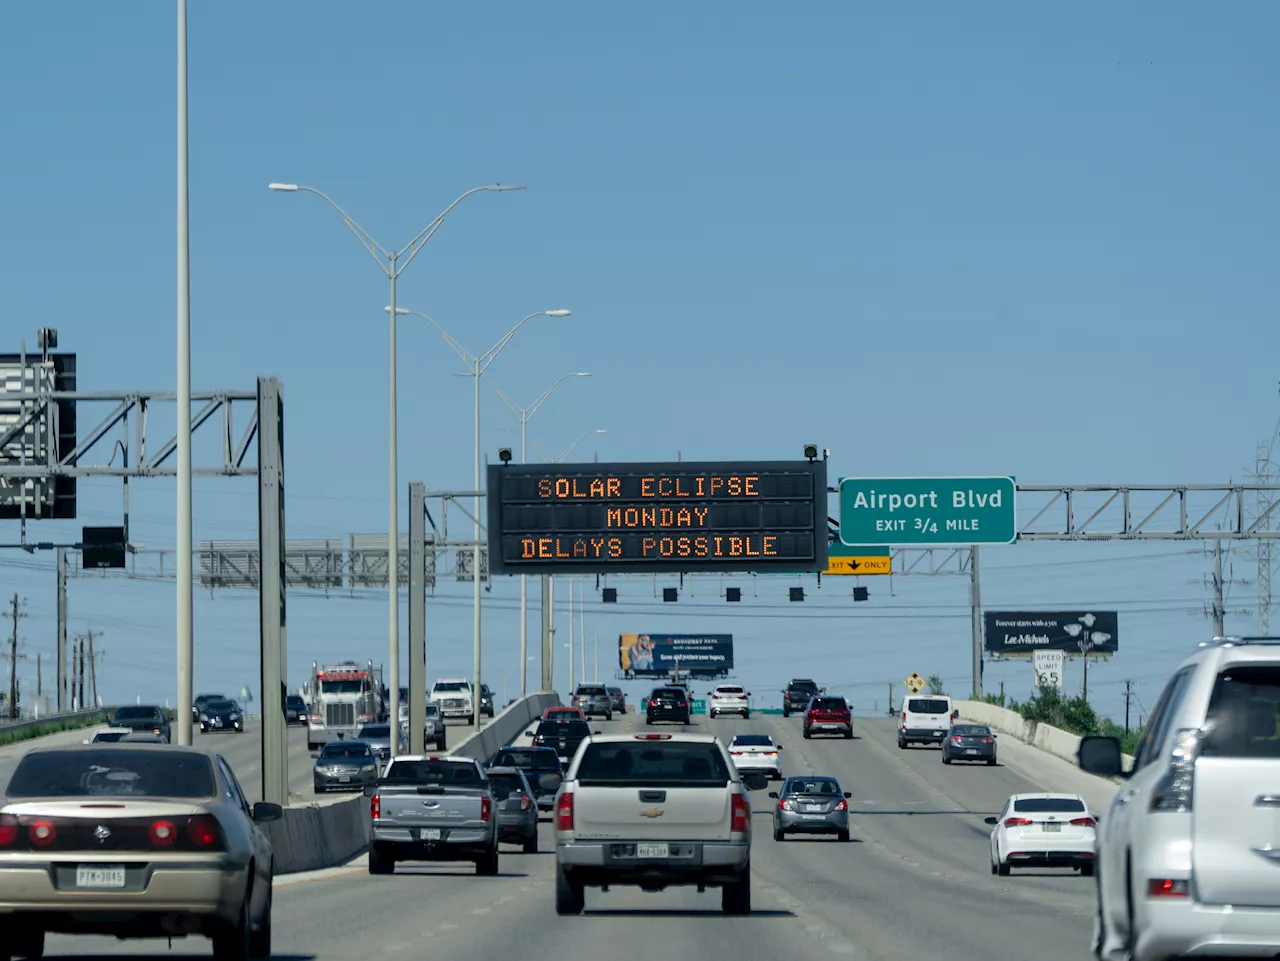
(925, 719)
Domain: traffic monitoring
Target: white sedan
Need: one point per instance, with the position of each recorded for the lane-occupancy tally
(755, 754)
(1044, 830)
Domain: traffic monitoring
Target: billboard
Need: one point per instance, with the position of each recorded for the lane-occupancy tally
(658, 655)
(1022, 633)
(677, 517)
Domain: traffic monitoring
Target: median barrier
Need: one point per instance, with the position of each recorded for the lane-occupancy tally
(506, 727)
(1046, 737)
(319, 834)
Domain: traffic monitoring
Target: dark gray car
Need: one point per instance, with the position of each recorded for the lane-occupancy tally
(517, 807)
(617, 698)
(378, 737)
(969, 742)
(813, 804)
(345, 766)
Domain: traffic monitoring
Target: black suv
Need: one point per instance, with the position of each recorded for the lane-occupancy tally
(796, 697)
(564, 734)
(668, 704)
(148, 718)
(486, 700)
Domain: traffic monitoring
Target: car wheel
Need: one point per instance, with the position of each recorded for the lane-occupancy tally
(843, 836)
(488, 864)
(260, 939)
(231, 943)
(993, 867)
(945, 758)
(807, 735)
(902, 745)
(609, 716)
(379, 861)
(648, 721)
(991, 762)
(319, 788)
(779, 834)
(531, 843)
(688, 720)
(570, 897)
(1086, 870)
(440, 746)
(848, 735)
(785, 712)
(1003, 869)
(21, 943)
(711, 714)
(735, 897)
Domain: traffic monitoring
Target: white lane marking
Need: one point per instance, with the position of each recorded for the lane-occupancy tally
(481, 910)
(447, 926)
(843, 947)
(402, 946)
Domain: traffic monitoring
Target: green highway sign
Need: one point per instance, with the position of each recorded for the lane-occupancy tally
(927, 510)
(838, 549)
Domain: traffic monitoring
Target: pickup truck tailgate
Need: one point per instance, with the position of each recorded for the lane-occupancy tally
(669, 813)
(427, 807)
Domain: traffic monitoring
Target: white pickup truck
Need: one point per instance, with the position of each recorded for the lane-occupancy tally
(453, 694)
(433, 809)
(654, 810)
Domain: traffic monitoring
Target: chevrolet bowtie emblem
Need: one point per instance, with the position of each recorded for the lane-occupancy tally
(651, 813)
(101, 832)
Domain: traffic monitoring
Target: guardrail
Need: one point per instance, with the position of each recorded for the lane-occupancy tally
(30, 723)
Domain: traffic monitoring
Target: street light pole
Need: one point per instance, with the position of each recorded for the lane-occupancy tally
(477, 698)
(392, 267)
(526, 414)
(186, 626)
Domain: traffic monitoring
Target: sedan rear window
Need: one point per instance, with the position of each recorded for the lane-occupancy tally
(812, 785)
(1244, 714)
(927, 706)
(653, 763)
(1045, 805)
(113, 772)
(753, 740)
(971, 730)
(728, 690)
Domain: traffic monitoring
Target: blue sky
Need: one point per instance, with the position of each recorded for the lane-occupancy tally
(984, 239)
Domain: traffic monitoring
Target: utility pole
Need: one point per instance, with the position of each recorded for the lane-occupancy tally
(1128, 696)
(39, 674)
(14, 614)
(975, 624)
(93, 669)
(891, 698)
(1217, 613)
(80, 672)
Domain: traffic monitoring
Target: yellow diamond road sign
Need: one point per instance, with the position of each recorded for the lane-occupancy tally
(858, 565)
(914, 683)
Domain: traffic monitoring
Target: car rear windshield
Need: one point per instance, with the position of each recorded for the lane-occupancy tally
(563, 727)
(113, 772)
(656, 763)
(804, 686)
(103, 736)
(591, 691)
(971, 730)
(341, 749)
(728, 690)
(1044, 805)
(927, 705)
(669, 692)
(432, 772)
(829, 704)
(753, 740)
(135, 713)
(528, 760)
(615, 691)
(504, 785)
(1244, 714)
(812, 785)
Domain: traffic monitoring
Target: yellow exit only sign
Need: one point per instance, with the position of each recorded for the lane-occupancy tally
(859, 565)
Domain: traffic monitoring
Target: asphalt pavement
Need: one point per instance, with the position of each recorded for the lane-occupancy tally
(914, 881)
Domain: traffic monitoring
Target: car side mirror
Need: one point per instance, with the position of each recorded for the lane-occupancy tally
(755, 782)
(528, 734)
(265, 811)
(1100, 756)
(595, 732)
(773, 794)
(990, 820)
(780, 747)
(316, 756)
(848, 794)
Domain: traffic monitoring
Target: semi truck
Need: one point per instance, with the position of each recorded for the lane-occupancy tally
(342, 699)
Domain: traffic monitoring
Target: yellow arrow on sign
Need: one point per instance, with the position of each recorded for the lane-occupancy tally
(859, 565)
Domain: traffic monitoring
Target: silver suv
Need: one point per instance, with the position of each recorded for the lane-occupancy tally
(1189, 852)
(593, 699)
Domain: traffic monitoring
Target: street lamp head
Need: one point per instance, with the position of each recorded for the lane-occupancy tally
(507, 187)
(400, 311)
(581, 373)
(557, 313)
(283, 188)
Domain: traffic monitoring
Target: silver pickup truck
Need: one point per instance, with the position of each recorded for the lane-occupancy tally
(433, 809)
(654, 810)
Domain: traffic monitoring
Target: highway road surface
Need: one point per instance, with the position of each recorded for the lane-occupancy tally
(913, 883)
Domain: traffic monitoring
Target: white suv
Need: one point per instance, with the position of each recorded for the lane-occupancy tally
(729, 699)
(1189, 852)
(453, 694)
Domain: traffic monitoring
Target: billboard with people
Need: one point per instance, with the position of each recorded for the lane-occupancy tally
(660, 655)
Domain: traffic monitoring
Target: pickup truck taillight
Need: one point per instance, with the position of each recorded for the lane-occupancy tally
(741, 815)
(486, 808)
(375, 807)
(564, 812)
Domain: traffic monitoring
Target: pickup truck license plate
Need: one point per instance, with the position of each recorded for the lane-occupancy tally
(1053, 828)
(652, 851)
(105, 876)
(430, 834)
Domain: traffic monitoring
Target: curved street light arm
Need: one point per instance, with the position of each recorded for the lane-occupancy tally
(362, 235)
(458, 349)
(511, 404)
(585, 434)
(420, 241)
(533, 408)
(489, 356)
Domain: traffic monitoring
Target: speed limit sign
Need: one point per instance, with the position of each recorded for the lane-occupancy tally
(1049, 668)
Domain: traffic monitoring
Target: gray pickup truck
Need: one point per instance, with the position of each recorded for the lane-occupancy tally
(433, 809)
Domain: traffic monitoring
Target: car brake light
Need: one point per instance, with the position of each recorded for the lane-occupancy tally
(956, 739)
(988, 740)
(741, 814)
(652, 702)
(1173, 791)
(842, 805)
(1084, 822)
(681, 704)
(42, 833)
(162, 833)
(375, 807)
(653, 737)
(1168, 888)
(784, 804)
(203, 831)
(564, 812)
(525, 802)
(1016, 822)
(732, 751)
(8, 830)
(486, 808)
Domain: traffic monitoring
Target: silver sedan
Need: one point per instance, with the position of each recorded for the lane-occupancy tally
(811, 805)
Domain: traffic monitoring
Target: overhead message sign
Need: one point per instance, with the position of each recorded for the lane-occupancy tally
(674, 517)
(927, 510)
(1022, 633)
(659, 655)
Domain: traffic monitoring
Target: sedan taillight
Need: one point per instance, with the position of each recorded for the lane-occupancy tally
(842, 805)
(8, 830)
(956, 739)
(988, 740)
(42, 833)
(203, 832)
(1016, 822)
(525, 803)
(1084, 822)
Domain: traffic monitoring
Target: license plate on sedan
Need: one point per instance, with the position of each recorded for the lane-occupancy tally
(652, 851)
(100, 876)
(1053, 828)
(971, 750)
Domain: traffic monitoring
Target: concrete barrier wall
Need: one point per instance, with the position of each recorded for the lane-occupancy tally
(1046, 737)
(328, 832)
(506, 727)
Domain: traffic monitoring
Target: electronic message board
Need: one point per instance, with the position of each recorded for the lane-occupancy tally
(675, 517)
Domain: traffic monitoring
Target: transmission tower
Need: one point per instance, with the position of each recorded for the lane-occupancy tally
(1265, 471)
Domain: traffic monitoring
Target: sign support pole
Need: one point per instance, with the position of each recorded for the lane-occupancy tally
(272, 614)
(417, 620)
(975, 601)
